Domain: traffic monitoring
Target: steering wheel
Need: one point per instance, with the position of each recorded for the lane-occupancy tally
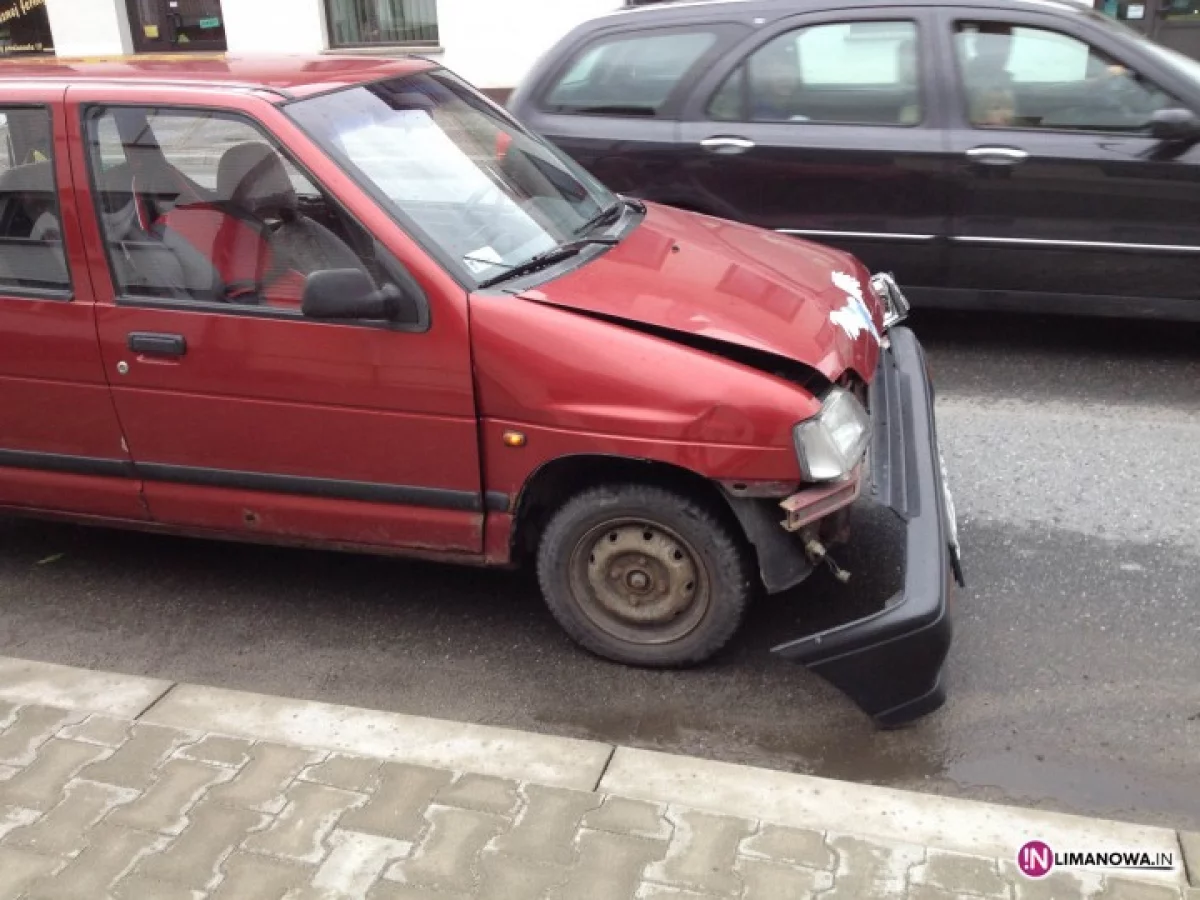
(1122, 92)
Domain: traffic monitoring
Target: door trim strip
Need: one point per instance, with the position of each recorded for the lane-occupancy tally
(872, 235)
(1096, 245)
(299, 485)
(306, 486)
(61, 462)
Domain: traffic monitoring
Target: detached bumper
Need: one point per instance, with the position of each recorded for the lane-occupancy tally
(890, 663)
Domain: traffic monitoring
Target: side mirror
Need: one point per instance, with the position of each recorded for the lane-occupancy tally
(1175, 125)
(350, 294)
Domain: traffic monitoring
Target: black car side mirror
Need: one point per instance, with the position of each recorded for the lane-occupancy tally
(1175, 125)
(350, 294)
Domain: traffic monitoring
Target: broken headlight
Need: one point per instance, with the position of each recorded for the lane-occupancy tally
(831, 443)
(894, 303)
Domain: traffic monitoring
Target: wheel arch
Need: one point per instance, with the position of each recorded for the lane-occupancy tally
(556, 480)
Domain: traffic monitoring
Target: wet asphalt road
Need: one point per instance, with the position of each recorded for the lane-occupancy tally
(1074, 451)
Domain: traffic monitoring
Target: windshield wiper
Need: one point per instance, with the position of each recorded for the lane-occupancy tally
(546, 258)
(606, 216)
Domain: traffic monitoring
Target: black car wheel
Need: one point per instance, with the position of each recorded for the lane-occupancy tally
(643, 575)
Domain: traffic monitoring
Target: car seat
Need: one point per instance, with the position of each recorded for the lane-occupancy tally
(253, 177)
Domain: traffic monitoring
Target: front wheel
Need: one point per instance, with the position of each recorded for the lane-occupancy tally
(644, 575)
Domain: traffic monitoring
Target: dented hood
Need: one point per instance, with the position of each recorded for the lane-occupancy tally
(721, 281)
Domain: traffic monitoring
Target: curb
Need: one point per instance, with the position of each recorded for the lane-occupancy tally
(943, 823)
(503, 752)
(1189, 843)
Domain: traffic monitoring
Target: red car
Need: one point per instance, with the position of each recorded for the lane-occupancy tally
(351, 303)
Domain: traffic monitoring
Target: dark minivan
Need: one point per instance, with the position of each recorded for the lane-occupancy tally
(1000, 154)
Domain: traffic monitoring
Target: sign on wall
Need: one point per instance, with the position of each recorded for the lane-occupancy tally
(24, 28)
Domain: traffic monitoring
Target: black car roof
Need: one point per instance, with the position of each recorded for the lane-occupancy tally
(663, 11)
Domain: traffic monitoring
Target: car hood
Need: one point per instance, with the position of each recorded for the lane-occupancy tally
(703, 279)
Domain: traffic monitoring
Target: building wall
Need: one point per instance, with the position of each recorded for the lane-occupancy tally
(490, 43)
(89, 27)
(274, 26)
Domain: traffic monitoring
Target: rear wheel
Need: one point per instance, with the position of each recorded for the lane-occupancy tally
(644, 575)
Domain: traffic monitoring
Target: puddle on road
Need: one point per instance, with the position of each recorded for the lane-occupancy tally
(914, 759)
(1085, 785)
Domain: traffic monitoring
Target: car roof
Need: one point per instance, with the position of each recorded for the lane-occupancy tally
(289, 77)
(703, 10)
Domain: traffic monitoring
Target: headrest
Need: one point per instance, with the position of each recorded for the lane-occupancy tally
(252, 175)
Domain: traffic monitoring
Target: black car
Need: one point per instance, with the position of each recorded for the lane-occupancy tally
(1024, 154)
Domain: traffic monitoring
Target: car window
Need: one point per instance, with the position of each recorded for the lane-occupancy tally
(31, 248)
(201, 206)
(1016, 76)
(842, 72)
(628, 75)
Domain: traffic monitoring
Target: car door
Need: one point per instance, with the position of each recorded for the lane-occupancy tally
(242, 415)
(1062, 198)
(611, 101)
(60, 442)
(829, 126)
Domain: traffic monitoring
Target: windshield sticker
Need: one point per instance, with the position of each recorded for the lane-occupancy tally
(483, 259)
(854, 318)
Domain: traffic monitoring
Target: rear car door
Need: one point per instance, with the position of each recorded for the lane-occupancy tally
(60, 443)
(1062, 198)
(611, 100)
(829, 126)
(242, 415)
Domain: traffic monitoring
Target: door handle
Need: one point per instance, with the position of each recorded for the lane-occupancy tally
(727, 145)
(148, 343)
(997, 156)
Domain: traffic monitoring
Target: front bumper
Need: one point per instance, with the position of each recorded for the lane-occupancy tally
(890, 663)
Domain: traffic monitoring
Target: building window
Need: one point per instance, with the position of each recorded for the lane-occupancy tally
(25, 28)
(365, 23)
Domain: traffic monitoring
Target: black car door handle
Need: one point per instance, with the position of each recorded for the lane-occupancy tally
(150, 344)
(997, 156)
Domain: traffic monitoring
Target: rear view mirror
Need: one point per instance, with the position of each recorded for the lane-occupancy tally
(1175, 125)
(350, 294)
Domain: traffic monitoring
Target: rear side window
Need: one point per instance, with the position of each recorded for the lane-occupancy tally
(841, 72)
(31, 248)
(628, 75)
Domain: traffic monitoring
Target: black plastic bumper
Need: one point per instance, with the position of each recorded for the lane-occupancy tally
(890, 663)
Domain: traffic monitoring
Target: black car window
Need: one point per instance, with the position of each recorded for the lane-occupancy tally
(31, 247)
(628, 74)
(1017, 76)
(840, 72)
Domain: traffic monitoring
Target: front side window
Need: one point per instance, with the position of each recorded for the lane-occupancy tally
(31, 248)
(199, 206)
(630, 75)
(1016, 76)
(482, 192)
(843, 72)
(363, 23)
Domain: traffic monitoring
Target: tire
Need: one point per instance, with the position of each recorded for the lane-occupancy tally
(644, 575)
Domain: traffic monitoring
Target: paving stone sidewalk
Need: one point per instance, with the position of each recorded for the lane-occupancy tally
(96, 807)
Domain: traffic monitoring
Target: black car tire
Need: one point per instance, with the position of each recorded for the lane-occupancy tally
(688, 555)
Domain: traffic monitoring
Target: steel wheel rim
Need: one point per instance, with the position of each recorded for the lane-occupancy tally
(639, 581)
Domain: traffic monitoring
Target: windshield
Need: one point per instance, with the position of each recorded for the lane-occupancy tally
(482, 190)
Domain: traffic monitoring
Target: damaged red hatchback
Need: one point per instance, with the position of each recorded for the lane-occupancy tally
(352, 303)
